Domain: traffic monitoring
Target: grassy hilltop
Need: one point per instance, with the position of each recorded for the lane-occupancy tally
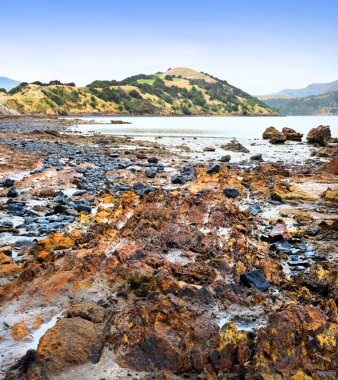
(179, 91)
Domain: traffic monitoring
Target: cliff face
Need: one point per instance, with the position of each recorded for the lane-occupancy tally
(178, 91)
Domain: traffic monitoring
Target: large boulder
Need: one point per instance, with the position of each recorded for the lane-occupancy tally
(320, 135)
(278, 138)
(269, 133)
(291, 134)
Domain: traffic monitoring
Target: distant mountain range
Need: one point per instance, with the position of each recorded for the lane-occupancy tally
(315, 99)
(324, 104)
(310, 90)
(8, 83)
(178, 91)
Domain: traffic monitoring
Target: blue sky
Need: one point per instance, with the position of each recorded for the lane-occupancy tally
(261, 46)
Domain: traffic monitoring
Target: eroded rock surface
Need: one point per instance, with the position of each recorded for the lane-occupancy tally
(201, 271)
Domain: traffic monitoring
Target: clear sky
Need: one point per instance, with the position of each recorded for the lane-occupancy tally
(261, 46)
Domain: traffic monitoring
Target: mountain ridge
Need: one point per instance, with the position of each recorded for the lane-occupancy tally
(8, 83)
(310, 90)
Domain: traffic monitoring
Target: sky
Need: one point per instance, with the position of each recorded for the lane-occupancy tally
(260, 46)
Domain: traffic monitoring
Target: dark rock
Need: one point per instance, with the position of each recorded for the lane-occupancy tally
(255, 279)
(254, 209)
(141, 188)
(257, 157)
(282, 246)
(8, 182)
(214, 168)
(150, 173)
(231, 193)
(177, 180)
(12, 193)
(152, 160)
(313, 230)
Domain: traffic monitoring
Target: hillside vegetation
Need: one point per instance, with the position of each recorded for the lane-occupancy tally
(325, 104)
(179, 91)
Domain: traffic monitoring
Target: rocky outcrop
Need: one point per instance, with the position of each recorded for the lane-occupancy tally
(269, 133)
(276, 137)
(235, 146)
(320, 135)
(291, 134)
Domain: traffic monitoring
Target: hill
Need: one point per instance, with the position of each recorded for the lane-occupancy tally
(8, 83)
(310, 90)
(324, 104)
(178, 91)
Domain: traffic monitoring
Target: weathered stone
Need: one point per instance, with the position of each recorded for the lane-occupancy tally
(320, 135)
(255, 279)
(231, 193)
(291, 134)
(71, 341)
(19, 330)
(269, 133)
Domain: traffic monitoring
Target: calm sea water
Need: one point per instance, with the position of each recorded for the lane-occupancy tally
(240, 127)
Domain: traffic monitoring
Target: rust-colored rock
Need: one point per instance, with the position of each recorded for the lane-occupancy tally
(320, 135)
(19, 330)
(71, 341)
(291, 134)
(269, 133)
(297, 339)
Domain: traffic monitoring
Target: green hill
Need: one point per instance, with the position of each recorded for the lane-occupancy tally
(325, 104)
(179, 91)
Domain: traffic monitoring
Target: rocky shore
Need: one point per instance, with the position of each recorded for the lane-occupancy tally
(122, 258)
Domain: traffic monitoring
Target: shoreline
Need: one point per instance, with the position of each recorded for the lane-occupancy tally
(138, 241)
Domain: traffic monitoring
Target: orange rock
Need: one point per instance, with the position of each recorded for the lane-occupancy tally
(56, 241)
(70, 342)
(19, 330)
(37, 322)
(44, 256)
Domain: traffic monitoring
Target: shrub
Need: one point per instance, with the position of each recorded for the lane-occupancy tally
(17, 88)
(3, 90)
(135, 94)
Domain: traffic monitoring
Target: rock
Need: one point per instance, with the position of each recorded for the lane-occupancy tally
(235, 146)
(152, 160)
(177, 180)
(19, 330)
(279, 232)
(225, 158)
(269, 133)
(291, 134)
(8, 182)
(320, 135)
(141, 188)
(70, 342)
(313, 230)
(296, 342)
(278, 138)
(231, 193)
(254, 209)
(12, 193)
(282, 246)
(150, 173)
(214, 168)
(255, 279)
(332, 166)
(88, 311)
(209, 148)
(257, 157)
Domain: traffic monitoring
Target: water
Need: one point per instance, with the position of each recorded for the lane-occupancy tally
(240, 127)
